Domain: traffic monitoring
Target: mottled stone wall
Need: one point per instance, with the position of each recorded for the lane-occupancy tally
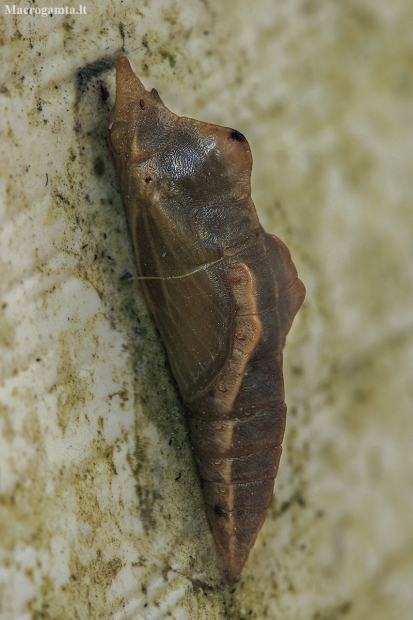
(101, 515)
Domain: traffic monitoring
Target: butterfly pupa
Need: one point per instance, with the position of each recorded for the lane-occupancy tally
(223, 294)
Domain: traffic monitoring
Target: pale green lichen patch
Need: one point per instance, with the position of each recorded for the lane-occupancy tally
(101, 513)
(6, 331)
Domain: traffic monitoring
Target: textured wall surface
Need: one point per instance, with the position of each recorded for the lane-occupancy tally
(101, 514)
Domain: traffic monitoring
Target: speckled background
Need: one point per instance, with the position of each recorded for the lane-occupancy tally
(101, 514)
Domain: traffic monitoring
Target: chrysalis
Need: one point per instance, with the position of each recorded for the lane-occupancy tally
(223, 294)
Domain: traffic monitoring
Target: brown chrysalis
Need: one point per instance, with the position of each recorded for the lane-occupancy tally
(223, 294)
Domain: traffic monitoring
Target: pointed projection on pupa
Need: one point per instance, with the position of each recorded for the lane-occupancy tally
(223, 294)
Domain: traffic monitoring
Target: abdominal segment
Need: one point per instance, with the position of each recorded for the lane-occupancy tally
(238, 459)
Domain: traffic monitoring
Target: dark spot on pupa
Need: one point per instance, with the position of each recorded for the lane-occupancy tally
(142, 104)
(148, 179)
(218, 510)
(237, 136)
(99, 166)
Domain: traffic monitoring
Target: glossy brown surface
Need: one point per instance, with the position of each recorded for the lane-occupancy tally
(223, 294)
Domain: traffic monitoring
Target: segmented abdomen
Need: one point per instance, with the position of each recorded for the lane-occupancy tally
(238, 460)
(237, 426)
